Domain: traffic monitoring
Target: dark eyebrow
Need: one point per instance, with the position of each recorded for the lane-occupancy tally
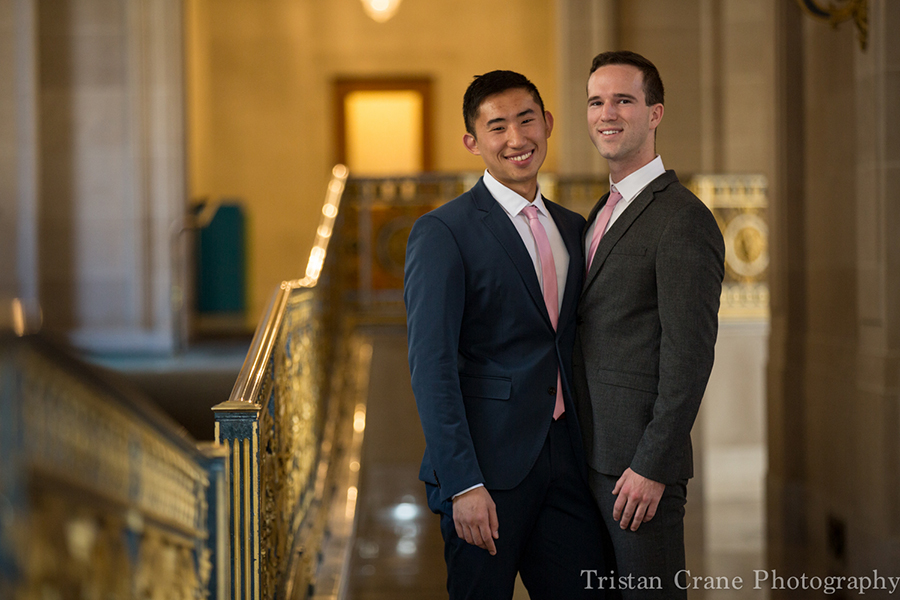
(628, 96)
(492, 122)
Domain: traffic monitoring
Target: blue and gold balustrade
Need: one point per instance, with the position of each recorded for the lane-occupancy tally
(101, 496)
(280, 432)
(378, 215)
(381, 211)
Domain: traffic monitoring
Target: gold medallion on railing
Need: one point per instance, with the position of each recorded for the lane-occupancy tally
(740, 206)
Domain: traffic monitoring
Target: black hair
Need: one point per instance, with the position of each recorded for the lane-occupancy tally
(492, 83)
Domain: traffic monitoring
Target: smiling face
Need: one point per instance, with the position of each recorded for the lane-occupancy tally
(620, 123)
(511, 137)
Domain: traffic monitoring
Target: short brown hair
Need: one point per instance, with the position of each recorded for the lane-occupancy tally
(654, 93)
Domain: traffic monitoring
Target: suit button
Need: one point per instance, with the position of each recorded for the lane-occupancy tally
(579, 321)
(551, 391)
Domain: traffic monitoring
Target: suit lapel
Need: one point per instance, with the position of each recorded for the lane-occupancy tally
(496, 219)
(623, 223)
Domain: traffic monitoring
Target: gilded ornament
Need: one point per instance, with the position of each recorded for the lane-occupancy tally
(839, 11)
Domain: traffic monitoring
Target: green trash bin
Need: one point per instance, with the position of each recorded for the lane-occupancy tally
(221, 262)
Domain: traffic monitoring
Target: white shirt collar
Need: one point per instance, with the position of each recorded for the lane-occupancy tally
(511, 201)
(632, 185)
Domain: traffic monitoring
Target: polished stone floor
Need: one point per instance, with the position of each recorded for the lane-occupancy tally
(398, 553)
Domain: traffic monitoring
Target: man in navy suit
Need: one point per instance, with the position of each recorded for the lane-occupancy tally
(491, 287)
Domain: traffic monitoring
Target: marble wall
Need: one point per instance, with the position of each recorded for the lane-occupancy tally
(262, 117)
(716, 59)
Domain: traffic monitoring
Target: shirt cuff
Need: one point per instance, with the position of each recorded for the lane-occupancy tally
(467, 490)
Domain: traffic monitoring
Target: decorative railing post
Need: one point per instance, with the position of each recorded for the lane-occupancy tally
(237, 430)
(217, 520)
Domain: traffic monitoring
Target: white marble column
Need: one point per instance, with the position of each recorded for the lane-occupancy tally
(19, 167)
(877, 381)
(834, 371)
(112, 181)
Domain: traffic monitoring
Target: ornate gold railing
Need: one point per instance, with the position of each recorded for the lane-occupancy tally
(101, 496)
(282, 433)
(380, 212)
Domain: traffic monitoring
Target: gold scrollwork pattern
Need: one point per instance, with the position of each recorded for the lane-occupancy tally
(381, 213)
(78, 435)
(167, 567)
(290, 435)
(70, 549)
(108, 504)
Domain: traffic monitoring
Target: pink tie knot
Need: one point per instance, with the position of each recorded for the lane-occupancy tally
(614, 197)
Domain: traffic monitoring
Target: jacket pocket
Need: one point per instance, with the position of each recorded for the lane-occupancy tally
(481, 386)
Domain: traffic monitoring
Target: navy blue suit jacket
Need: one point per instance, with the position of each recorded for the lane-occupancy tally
(483, 354)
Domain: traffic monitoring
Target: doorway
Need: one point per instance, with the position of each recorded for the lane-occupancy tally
(384, 126)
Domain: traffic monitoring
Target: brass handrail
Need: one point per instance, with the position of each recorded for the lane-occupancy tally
(250, 379)
(330, 209)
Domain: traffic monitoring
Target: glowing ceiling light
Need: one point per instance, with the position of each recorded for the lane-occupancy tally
(381, 10)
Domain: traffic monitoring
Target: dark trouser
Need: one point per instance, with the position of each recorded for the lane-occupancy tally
(550, 531)
(654, 554)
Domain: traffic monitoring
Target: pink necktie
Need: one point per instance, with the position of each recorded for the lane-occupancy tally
(551, 293)
(602, 221)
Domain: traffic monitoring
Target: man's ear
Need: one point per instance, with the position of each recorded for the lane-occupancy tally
(471, 144)
(548, 118)
(656, 115)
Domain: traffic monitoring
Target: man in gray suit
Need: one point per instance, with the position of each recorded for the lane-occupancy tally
(647, 324)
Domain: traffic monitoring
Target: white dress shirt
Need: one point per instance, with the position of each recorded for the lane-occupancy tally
(630, 187)
(513, 204)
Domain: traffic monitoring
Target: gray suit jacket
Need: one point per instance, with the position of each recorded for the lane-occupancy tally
(647, 325)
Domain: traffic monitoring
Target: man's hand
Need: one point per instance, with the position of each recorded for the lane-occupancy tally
(637, 499)
(475, 517)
